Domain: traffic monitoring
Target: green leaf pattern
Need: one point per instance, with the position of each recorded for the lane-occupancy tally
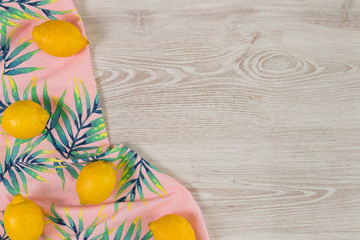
(68, 226)
(12, 59)
(26, 9)
(3, 235)
(75, 134)
(70, 139)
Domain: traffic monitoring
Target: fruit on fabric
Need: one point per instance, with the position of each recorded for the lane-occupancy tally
(23, 219)
(24, 119)
(95, 182)
(59, 38)
(172, 227)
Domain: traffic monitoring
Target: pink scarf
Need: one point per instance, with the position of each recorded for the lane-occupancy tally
(45, 168)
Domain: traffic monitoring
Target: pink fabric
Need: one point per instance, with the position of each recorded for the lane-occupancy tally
(45, 168)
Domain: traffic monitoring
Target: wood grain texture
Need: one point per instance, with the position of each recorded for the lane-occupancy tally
(253, 105)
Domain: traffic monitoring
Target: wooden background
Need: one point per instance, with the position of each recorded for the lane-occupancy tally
(253, 105)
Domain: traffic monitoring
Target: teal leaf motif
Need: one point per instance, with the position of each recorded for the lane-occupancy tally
(14, 180)
(21, 59)
(62, 135)
(26, 91)
(56, 216)
(50, 13)
(87, 99)
(77, 130)
(133, 232)
(137, 175)
(11, 95)
(60, 173)
(138, 230)
(31, 90)
(17, 50)
(148, 236)
(57, 113)
(18, 165)
(47, 104)
(3, 235)
(7, 14)
(67, 226)
(23, 178)
(70, 227)
(24, 70)
(77, 98)
(7, 22)
(130, 231)
(67, 124)
(70, 220)
(30, 12)
(34, 95)
(72, 169)
(8, 187)
(119, 231)
(10, 59)
(40, 3)
(29, 9)
(3, 33)
(14, 89)
(5, 91)
(17, 14)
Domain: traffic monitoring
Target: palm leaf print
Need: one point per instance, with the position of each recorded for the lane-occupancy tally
(3, 235)
(27, 9)
(67, 227)
(53, 124)
(73, 169)
(137, 174)
(131, 233)
(98, 155)
(31, 93)
(15, 95)
(77, 131)
(11, 95)
(11, 59)
(19, 164)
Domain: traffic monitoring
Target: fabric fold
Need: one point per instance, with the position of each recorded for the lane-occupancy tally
(45, 168)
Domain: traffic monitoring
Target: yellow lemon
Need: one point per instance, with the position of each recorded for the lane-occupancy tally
(95, 182)
(172, 227)
(23, 219)
(59, 38)
(24, 119)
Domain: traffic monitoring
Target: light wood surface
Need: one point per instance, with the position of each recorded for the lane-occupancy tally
(253, 105)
